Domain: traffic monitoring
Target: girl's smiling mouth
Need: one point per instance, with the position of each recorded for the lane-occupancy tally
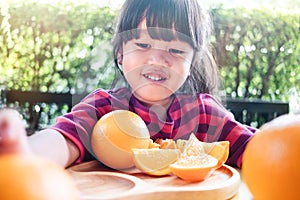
(155, 76)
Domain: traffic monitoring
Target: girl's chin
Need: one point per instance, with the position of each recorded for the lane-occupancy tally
(152, 96)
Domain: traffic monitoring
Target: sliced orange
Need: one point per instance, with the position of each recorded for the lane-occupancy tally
(196, 171)
(219, 150)
(155, 161)
(153, 145)
(180, 144)
(166, 143)
(199, 159)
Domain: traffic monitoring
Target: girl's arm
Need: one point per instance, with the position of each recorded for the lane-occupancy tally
(48, 143)
(53, 145)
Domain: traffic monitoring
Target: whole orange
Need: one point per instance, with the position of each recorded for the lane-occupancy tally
(271, 160)
(26, 177)
(115, 134)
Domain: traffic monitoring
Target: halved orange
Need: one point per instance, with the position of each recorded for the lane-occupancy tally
(155, 161)
(199, 159)
(194, 169)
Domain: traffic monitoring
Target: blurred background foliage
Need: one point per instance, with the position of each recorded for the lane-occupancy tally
(54, 48)
(66, 47)
(258, 51)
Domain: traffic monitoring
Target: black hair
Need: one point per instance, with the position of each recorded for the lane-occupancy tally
(192, 24)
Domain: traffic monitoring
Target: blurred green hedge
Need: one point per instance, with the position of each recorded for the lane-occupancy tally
(258, 51)
(66, 48)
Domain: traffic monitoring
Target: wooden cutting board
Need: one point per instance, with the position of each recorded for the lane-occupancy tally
(98, 182)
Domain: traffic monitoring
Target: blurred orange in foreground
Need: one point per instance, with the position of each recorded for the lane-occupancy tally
(25, 177)
(271, 160)
(199, 159)
(115, 134)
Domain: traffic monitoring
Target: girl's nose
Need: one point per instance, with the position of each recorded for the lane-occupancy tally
(159, 57)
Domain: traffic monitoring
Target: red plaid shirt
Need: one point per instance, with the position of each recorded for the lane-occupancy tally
(201, 114)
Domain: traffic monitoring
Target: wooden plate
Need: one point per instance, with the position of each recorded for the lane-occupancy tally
(97, 182)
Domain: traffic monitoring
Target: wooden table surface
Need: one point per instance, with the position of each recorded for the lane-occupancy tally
(97, 182)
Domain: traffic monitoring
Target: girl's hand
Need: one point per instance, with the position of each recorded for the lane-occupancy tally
(12, 133)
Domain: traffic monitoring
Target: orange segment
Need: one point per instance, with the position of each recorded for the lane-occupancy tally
(219, 150)
(180, 144)
(155, 161)
(198, 171)
(166, 143)
(199, 159)
(153, 145)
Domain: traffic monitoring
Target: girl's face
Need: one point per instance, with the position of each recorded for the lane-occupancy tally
(155, 69)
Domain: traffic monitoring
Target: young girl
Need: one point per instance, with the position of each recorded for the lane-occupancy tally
(161, 48)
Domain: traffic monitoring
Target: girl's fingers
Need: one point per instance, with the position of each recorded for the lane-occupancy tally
(12, 132)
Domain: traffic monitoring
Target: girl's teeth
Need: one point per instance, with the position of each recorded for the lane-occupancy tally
(154, 78)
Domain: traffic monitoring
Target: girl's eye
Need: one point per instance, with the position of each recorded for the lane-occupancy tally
(175, 51)
(143, 45)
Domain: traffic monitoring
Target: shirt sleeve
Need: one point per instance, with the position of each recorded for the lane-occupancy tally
(77, 125)
(221, 125)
